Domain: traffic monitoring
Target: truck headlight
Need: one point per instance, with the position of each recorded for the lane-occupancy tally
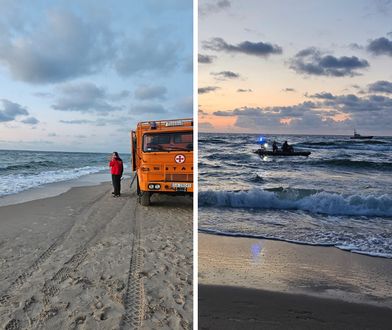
(157, 186)
(151, 186)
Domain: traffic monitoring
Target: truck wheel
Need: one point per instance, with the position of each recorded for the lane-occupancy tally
(145, 198)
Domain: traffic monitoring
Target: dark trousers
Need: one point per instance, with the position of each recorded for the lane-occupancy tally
(116, 180)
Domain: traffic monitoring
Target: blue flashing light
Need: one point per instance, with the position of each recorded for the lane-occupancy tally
(262, 140)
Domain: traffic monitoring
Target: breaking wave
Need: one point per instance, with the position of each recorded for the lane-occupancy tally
(299, 199)
(14, 183)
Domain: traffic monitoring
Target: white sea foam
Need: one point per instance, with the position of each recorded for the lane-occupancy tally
(15, 183)
(318, 202)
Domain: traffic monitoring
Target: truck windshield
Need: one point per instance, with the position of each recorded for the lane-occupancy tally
(168, 141)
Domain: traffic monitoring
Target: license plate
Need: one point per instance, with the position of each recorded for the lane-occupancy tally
(181, 185)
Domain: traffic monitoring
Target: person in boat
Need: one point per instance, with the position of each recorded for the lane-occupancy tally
(275, 147)
(287, 148)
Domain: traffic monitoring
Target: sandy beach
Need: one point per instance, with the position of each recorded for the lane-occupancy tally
(253, 284)
(86, 260)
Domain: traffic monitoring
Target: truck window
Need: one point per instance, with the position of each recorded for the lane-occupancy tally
(178, 141)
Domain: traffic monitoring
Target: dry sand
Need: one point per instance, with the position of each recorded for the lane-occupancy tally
(264, 284)
(86, 260)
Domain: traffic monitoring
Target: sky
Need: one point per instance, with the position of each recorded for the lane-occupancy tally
(295, 67)
(79, 75)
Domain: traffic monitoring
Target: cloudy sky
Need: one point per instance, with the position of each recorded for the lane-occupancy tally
(78, 75)
(289, 66)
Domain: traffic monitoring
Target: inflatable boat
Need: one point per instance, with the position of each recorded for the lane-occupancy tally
(262, 152)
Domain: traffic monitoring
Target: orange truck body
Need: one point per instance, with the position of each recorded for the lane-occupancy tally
(162, 158)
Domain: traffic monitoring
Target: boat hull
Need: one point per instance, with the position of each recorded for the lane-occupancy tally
(281, 153)
(360, 137)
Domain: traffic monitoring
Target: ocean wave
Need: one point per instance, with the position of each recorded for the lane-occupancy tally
(366, 146)
(298, 199)
(229, 156)
(205, 165)
(32, 165)
(344, 162)
(256, 178)
(15, 183)
(213, 141)
(344, 142)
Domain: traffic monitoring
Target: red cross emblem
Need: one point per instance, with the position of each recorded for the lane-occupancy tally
(179, 159)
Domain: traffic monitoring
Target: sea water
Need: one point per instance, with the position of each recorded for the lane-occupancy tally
(341, 195)
(23, 170)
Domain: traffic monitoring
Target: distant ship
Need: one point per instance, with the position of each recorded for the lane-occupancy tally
(359, 136)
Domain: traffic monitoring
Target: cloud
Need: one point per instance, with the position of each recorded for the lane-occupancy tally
(76, 121)
(43, 95)
(61, 47)
(288, 90)
(202, 112)
(84, 97)
(10, 110)
(241, 90)
(371, 104)
(259, 49)
(371, 112)
(382, 7)
(208, 89)
(322, 95)
(211, 8)
(279, 112)
(30, 120)
(310, 61)
(381, 86)
(147, 109)
(355, 46)
(117, 121)
(225, 75)
(380, 46)
(52, 134)
(205, 59)
(205, 126)
(119, 96)
(148, 53)
(99, 121)
(150, 92)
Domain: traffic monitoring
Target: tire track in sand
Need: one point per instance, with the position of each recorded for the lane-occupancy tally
(133, 299)
(81, 219)
(52, 287)
(23, 277)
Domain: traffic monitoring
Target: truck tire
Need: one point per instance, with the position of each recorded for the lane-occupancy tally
(145, 198)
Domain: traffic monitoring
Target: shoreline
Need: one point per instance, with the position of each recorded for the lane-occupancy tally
(368, 254)
(55, 188)
(318, 271)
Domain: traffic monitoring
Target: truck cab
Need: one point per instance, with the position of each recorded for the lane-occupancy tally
(162, 158)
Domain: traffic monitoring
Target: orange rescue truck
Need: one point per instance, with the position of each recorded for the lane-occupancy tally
(162, 158)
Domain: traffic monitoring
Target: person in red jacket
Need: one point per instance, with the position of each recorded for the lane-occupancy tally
(117, 169)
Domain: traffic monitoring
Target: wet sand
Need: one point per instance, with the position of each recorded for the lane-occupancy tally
(225, 307)
(270, 284)
(86, 260)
